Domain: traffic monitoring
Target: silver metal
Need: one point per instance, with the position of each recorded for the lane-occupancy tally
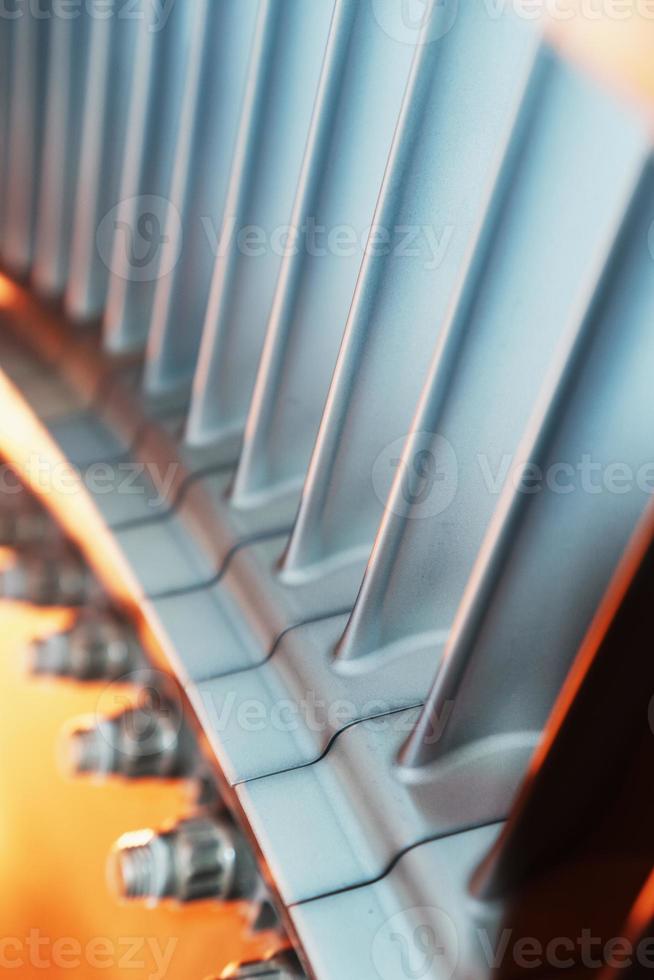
(282, 967)
(270, 144)
(468, 754)
(111, 66)
(136, 743)
(48, 394)
(96, 647)
(198, 858)
(28, 529)
(226, 40)
(459, 127)
(298, 587)
(482, 743)
(442, 498)
(408, 600)
(140, 254)
(352, 813)
(363, 80)
(58, 578)
(87, 439)
(64, 96)
(26, 38)
(418, 916)
(570, 423)
(23, 521)
(6, 53)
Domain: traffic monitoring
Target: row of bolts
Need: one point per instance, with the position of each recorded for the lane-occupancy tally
(201, 857)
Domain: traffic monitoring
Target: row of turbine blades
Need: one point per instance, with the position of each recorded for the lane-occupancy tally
(378, 305)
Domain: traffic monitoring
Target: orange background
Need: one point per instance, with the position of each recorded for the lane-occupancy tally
(55, 834)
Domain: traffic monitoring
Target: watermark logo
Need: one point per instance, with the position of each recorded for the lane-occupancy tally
(421, 943)
(153, 13)
(416, 22)
(141, 238)
(150, 956)
(417, 476)
(231, 711)
(416, 944)
(137, 727)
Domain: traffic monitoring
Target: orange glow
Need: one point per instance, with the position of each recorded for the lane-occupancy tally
(55, 835)
(39, 462)
(30, 450)
(642, 914)
(612, 39)
(8, 292)
(631, 560)
(6, 558)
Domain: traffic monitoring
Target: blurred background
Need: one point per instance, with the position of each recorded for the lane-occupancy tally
(55, 834)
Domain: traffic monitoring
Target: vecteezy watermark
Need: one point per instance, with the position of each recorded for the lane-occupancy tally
(416, 22)
(155, 13)
(567, 10)
(231, 711)
(563, 952)
(141, 239)
(418, 475)
(420, 22)
(413, 943)
(152, 481)
(152, 957)
(140, 732)
(425, 243)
